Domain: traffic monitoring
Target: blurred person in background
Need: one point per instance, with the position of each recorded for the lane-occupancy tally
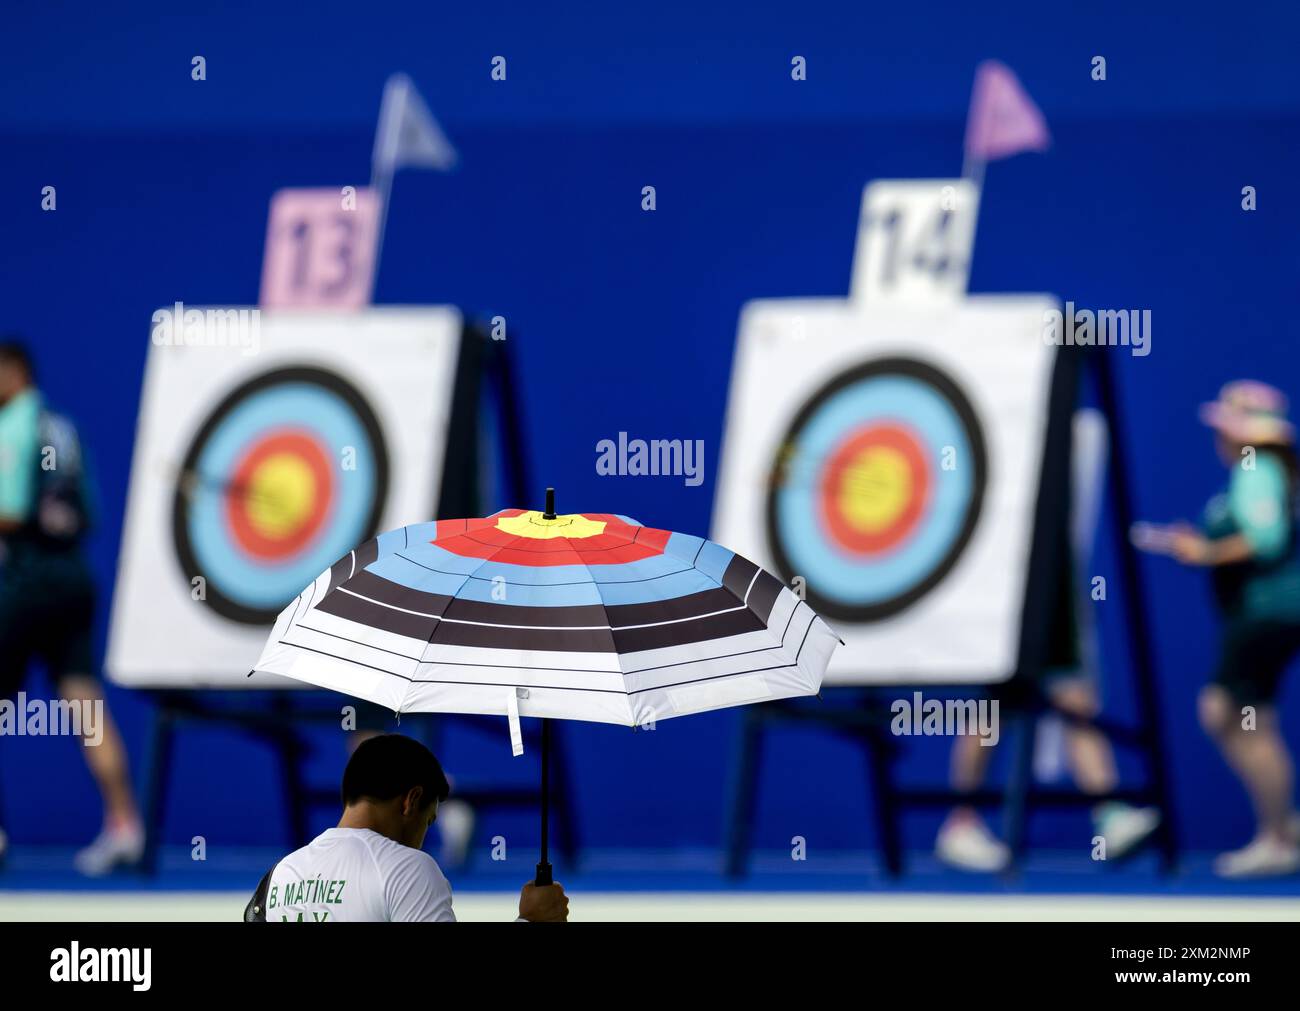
(47, 594)
(966, 842)
(1071, 686)
(1248, 542)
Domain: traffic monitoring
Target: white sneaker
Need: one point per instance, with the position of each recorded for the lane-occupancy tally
(121, 846)
(1264, 857)
(967, 844)
(1124, 827)
(456, 827)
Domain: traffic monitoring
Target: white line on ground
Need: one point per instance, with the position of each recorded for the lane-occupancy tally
(678, 906)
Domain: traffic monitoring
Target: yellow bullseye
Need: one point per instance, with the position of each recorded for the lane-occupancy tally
(874, 489)
(281, 494)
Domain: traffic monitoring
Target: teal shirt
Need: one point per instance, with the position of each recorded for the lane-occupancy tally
(1258, 505)
(19, 448)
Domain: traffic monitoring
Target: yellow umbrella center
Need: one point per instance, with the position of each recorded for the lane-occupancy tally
(534, 524)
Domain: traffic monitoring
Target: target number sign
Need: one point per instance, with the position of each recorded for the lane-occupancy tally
(914, 240)
(320, 248)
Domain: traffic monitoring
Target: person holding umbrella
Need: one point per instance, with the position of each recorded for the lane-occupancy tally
(371, 867)
(530, 613)
(1249, 543)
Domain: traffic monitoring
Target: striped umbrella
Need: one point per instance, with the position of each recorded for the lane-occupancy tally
(583, 617)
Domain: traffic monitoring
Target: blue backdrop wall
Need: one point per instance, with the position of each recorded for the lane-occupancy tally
(163, 186)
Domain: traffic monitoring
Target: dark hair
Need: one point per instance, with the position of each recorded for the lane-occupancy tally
(14, 352)
(388, 766)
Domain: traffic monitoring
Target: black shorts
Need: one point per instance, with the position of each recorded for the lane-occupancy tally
(47, 613)
(1253, 656)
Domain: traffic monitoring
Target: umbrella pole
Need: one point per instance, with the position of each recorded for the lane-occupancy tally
(544, 865)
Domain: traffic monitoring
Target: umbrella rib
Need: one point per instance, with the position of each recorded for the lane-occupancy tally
(758, 670)
(438, 623)
(605, 608)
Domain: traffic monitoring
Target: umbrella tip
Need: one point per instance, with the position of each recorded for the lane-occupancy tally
(251, 673)
(550, 505)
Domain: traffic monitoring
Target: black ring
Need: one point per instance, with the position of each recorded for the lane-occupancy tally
(329, 381)
(940, 381)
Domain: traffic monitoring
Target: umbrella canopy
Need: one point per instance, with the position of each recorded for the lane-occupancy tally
(582, 616)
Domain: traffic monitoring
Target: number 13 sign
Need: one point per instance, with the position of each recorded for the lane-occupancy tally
(320, 248)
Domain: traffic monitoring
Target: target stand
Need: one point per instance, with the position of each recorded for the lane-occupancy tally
(862, 714)
(219, 527)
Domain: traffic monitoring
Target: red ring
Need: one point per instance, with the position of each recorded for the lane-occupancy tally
(844, 534)
(299, 443)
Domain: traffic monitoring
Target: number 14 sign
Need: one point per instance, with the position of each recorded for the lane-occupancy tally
(914, 240)
(320, 248)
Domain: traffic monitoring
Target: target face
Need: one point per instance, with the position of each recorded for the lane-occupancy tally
(877, 488)
(286, 475)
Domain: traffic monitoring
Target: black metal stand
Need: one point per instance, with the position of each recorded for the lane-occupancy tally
(1023, 702)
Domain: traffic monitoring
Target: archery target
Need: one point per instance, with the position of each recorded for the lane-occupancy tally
(257, 467)
(860, 494)
(884, 460)
(262, 506)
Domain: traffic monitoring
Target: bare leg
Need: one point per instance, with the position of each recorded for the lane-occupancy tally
(106, 760)
(964, 841)
(1089, 753)
(970, 764)
(1259, 757)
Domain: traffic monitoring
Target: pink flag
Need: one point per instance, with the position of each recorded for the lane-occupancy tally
(1003, 119)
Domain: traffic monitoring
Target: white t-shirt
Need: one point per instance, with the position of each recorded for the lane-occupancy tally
(357, 875)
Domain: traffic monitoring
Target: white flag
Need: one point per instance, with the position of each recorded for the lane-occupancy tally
(408, 135)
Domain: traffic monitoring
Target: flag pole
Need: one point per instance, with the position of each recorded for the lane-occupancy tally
(972, 169)
(381, 164)
(381, 181)
(407, 136)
